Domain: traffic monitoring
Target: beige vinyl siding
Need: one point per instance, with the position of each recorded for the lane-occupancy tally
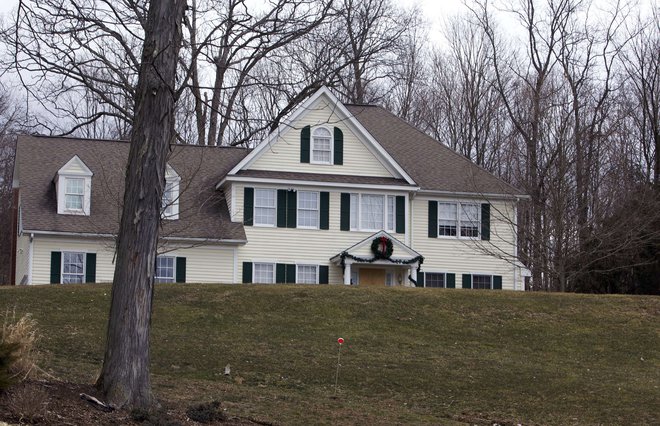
(204, 264)
(22, 259)
(467, 256)
(284, 153)
(44, 245)
(309, 246)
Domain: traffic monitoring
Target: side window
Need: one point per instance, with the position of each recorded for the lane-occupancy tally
(434, 279)
(484, 282)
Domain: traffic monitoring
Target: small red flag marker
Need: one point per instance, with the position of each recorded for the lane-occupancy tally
(341, 342)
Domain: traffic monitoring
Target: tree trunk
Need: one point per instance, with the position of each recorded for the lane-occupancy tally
(124, 377)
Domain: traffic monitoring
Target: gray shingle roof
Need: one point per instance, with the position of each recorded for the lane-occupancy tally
(203, 211)
(432, 165)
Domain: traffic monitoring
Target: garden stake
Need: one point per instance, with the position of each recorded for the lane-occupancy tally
(340, 341)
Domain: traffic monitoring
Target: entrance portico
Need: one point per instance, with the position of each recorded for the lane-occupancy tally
(379, 260)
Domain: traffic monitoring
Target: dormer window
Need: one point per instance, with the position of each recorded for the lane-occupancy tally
(170, 201)
(321, 146)
(74, 194)
(73, 185)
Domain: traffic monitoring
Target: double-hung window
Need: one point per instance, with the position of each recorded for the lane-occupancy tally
(470, 221)
(170, 201)
(434, 279)
(264, 273)
(373, 212)
(74, 194)
(482, 282)
(264, 207)
(307, 274)
(73, 267)
(165, 269)
(459, 219)
(308, 209)
(447, 219)
(321, 146)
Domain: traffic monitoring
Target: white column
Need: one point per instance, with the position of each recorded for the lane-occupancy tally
(413, 272)
(347, 273)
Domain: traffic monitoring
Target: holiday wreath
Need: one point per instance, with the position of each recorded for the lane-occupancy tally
(382, 247)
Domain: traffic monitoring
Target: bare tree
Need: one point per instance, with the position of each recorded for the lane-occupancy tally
(125, 375)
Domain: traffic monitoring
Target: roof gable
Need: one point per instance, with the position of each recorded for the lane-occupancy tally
(75, 166)
(362, 249)
(363, 155)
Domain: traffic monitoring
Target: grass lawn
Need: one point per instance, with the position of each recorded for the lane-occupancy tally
(412, 356)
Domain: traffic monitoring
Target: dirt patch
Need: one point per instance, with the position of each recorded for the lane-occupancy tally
(59, 403)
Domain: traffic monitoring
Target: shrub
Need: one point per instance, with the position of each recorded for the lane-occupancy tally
(206, 413)
(29, 403)
(19, 338)
(8, 356)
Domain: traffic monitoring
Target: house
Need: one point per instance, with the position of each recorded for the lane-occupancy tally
(337, 194)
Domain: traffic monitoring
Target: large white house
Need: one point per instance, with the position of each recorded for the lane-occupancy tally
(339, 194)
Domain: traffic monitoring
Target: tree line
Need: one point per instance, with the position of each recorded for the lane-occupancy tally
(561, 98)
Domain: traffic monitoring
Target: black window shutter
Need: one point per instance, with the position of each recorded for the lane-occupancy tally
(90, 268)
(248, 206)
(281, 208)
(497, 282)
(451, 281)
(420, 279)
(280, 273)
(247, 272)
(485, 221)
(467, 281)
(324, 222)
(304, 144)
(291, 209)
(339, 147)
(345, 212)
(323, 274)
(400, 214)
(433, 219)
(55, 266)
(290, 273)
(181, 269)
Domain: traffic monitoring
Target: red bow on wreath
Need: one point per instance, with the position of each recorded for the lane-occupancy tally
(383, 244)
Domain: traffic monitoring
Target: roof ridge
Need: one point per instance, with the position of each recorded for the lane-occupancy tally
(104, 140)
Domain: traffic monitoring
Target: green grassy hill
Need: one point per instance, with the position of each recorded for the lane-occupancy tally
(412, 356)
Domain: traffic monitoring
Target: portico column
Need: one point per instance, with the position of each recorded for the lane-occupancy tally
(413, 272)
(347, 273)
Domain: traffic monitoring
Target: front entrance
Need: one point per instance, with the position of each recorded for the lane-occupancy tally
(372, 277)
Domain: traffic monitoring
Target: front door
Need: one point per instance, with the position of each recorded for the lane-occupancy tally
(371, 277)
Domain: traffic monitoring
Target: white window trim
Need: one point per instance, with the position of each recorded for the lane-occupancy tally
(254, 268)
(459, 207)
(484, 274)
(298, 208)
(81, 171)
(254, 209)
(171, 177)
(385, 212)
(311, 147)
(308, 264)
(436, 272)
(173, 270)
(84, 266)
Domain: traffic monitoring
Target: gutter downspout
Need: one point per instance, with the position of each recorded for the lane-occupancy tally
(30, 258)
